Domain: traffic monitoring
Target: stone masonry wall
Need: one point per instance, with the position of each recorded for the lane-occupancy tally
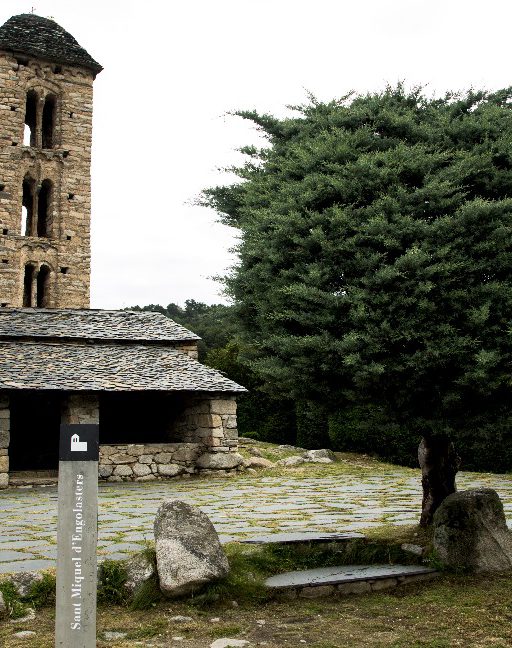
(211, 422)
(207, 426)
(81, 409)
(65, 250)
(147, 462)
(4, 440)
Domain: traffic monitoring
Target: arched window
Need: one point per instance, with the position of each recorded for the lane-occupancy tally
(29, 135)
(44, 220)
(48, 122)
(27, 209)
(28, 281)
(43, 280)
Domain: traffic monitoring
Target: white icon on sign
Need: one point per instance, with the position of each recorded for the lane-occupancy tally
(77, 445)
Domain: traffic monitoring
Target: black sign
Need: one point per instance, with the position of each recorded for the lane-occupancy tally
(79, 442)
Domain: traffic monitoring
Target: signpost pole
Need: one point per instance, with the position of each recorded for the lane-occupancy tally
(77, 535)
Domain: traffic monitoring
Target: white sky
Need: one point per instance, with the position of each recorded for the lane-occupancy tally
(173, 69)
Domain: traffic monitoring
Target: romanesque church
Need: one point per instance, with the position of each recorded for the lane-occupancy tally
(161, 413)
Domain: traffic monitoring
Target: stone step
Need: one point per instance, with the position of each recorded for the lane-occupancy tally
(347, 579)
(298, 537)
(33, 477)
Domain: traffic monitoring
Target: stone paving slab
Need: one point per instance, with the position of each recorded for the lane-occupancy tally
(239, 508)
(305, 536)
(344, 574)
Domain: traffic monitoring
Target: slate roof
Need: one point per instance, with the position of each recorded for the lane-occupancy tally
(122, 326)
(70, 366)
(44, 38)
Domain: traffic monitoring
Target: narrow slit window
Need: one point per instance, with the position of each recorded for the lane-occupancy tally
(28, 281)
(44, 224)
(43, 280)
(49, 122)
(29, 136)
(27, 209)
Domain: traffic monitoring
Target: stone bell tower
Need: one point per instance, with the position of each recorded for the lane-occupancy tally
(46, 92)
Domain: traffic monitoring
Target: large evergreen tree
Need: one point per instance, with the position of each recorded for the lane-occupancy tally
(375, 261)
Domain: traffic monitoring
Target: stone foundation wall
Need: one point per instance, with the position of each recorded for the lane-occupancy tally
(5, 424)
(149, 461)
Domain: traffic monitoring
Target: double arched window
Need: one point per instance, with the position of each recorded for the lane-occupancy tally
(36, 286)
(36, 210)
(40, 120)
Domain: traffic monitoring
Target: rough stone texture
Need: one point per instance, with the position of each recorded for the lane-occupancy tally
(319, 456)
(97, 325)
(169, 470)
(220, 461)
(25, 634)
(290, 462)
(65, 163)
(470, 532)
(188, 550)
(139, 570)
(23, 581)
(228, 642)
(80, 367)
(44, 38)
(144, 462)
(258, 462)
(3, 607)
(81, 409)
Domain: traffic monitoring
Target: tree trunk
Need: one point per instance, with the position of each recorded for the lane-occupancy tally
(439, 464)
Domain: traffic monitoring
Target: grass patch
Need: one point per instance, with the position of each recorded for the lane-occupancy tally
(225, 631)
(111, 585)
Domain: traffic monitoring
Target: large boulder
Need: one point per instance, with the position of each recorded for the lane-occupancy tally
(23, 582)
(319, 456)
(471, 534)
(220, 460)
(291, 462)
(188, 550)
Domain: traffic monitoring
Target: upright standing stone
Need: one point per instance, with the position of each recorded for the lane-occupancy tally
(188, 550)
(470, 532)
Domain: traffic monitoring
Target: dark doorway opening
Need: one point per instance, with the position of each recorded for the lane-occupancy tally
(138, 417)
(35, 429)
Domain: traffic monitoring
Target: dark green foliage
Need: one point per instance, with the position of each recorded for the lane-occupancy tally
(15, 607)
(375, 262)
(111, 585)
(369, 429)
(312, 426)
(258, 414)
(42, 592)
(213, 323)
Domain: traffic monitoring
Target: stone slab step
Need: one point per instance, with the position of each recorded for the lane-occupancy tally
(347, 579)
(299, 537)
(33, 477)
